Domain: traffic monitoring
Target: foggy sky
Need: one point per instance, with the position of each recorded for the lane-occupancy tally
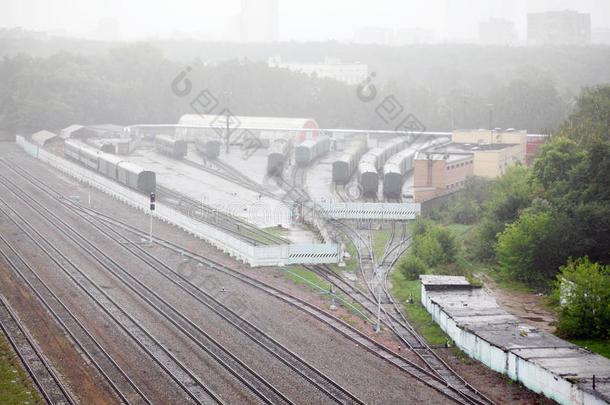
(449, 20)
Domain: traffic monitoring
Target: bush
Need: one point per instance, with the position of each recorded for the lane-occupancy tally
(411, 267)
(428, 249)
(522, 249)
(583, 288)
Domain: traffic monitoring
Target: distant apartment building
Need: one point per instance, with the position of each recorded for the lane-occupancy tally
(350, 73)
(258, 21)
(497, 31)
(559, 28)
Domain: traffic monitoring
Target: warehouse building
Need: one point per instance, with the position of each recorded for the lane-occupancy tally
(272, 125)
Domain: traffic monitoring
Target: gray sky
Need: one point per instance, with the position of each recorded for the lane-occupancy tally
(299, 19)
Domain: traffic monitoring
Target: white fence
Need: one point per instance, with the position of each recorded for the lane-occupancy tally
(381, 211)
(253, 255)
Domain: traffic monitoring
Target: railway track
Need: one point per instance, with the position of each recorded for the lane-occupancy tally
(298, 364)
(231, 174)
(426, 376)
(379, 350)
(193, 387)
(44, 376)
(396, 320)
(341, 193)
(293, 187)
(204, 213)
(113, 374)
(255, 334)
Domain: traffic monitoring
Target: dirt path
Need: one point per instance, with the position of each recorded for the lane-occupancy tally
(527, 306)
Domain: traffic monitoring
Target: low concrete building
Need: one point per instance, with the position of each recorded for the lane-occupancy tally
(436, 174)
(542, 362)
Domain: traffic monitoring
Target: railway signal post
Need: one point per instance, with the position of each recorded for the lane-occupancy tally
(152, 208)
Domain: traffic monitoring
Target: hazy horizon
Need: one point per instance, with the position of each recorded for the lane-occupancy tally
(443, 20)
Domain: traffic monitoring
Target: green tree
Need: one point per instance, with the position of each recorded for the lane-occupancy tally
(427, 248)
(522, 248)
(583, 288)
(590, 121)
(555, 162)
(411, 267)
(448, 244)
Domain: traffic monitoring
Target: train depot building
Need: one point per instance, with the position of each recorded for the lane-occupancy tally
(485, 153)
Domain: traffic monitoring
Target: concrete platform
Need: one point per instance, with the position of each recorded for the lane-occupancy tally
(222, 194)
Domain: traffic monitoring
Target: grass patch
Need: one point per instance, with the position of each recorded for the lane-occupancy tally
(302, 273)
(276, 230)
(15, 386)
(601, 347)
(417, 314)
(380, 239)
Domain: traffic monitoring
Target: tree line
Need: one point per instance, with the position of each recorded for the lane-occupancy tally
(445, 87)
(548, 225)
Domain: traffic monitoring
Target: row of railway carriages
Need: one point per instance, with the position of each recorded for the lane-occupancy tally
(311, 149)
(112, 166)
(372, 162)
(344, 167)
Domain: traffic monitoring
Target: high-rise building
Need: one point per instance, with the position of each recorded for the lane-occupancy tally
(559, 27)
(497, 31)
(258, 21)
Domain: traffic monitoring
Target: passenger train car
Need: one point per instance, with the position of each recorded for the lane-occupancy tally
(344, 167)
(112, 166)
(311, 149)
(394, 171)
(372, 162)
(279, 151)
(169, 146)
